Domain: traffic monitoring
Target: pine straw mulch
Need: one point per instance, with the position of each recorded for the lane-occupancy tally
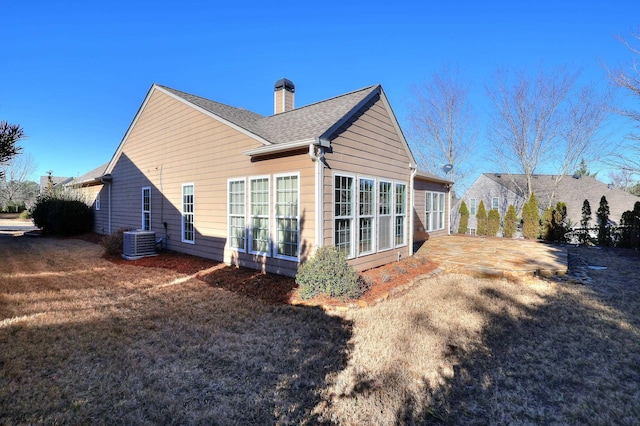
(277, 289)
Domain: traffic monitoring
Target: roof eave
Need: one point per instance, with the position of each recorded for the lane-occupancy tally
(286, 146)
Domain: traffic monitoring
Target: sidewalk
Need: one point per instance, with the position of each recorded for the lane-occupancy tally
(16, 226)
(496, 257)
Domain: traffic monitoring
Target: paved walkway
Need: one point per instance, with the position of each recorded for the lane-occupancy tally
(496, 257)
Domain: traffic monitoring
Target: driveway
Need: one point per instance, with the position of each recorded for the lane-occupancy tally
(16, 226)
(496, 257)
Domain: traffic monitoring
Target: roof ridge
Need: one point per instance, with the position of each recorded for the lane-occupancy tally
(325, 100)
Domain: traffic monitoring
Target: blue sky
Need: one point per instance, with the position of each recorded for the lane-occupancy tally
(74, 73)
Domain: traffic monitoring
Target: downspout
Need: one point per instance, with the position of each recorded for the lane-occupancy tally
(106, 180)
(316, 157)
(449, 186)
(414, 171)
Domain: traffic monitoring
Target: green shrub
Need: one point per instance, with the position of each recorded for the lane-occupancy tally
(327, 272)
(481, 217)
(584, 236)
(463, 228)
(25, 214)
(61, 216)
(604, 230)
(493, 222)
(531, 218)
(510, 222)
(554, 223)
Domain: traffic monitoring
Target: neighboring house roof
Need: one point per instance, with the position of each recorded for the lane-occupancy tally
(572, 190)
(294, 129)
(90, 177)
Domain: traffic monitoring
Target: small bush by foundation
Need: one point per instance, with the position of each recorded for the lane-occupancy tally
(328, 273)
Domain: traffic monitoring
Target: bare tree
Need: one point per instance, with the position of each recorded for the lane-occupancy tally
(544, 120)
(16, 187)
(442, 123)
(628, 79)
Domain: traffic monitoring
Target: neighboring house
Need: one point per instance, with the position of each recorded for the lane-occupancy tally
(500, 190)
(264, 191)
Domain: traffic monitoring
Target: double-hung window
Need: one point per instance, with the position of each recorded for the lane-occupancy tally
(401, 214)
(385, 204)
(472, 207)
(146, 208)
(343, 213)
(97, 203)
(366, 215)
(237, 229)
(188, 231)
(287, 216)
(495, 203)
(434, 212)
(259, 207)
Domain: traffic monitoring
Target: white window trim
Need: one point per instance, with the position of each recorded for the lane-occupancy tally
(97, 202)
(497, 199)
(183, 213)
(436, 215)
(251, 216)
(473, 208)
(276, 217)
(390, 215)
(244, 216)
(405, 215)
(353, 215)
(145, 188)
(372, 216)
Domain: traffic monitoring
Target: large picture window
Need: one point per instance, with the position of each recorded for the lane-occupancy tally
(287, 216)
(401, 214)
(385, 214)
(146, 208)
(188, 232)
(366, 215)
(434, 211)
(259, 207)
(237, 229)
(343, 213)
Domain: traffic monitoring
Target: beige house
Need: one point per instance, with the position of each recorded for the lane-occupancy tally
(264, 191)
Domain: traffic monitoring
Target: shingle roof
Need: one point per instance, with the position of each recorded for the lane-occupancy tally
(572, 191)
(307, 122)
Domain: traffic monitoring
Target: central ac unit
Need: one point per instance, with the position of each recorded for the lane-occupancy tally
(137, 244)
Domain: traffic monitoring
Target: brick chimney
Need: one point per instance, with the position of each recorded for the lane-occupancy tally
(283, 96)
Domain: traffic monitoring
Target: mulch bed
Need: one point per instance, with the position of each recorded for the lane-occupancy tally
(272, 288)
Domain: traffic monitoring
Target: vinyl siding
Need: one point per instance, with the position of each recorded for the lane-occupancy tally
(367, 146)
(170, 144)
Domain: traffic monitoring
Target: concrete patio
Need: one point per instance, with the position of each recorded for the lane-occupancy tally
(496, 257)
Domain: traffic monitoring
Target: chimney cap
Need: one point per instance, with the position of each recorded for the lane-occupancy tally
(286, 84)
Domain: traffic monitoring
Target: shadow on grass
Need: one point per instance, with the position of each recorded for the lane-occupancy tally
(571, 360)
(175, 355)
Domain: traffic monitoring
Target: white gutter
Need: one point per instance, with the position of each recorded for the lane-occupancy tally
(286, 146)
(316, 153)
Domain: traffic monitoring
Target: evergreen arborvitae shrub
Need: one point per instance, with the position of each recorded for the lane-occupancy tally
(510, 222)
(554, 225)
(531, 218)
(481, 219)
(493, 222)
(61, 216)
(604, 231)
(463, 228)
(327, 272)
(585, 222)
(630, 235)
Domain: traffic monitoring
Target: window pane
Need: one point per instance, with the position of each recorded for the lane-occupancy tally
(399, 230)
(287, 216)
(342, 235)
(401, 198)
(187, 213)
(384, 233)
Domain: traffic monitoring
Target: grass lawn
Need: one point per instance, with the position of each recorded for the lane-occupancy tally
(87, 341)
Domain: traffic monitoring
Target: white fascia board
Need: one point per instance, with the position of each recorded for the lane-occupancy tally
(282, 147)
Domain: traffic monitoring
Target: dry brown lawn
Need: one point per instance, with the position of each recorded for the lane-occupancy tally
(87, 341)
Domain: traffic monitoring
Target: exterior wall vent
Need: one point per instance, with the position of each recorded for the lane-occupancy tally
(138, 244)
